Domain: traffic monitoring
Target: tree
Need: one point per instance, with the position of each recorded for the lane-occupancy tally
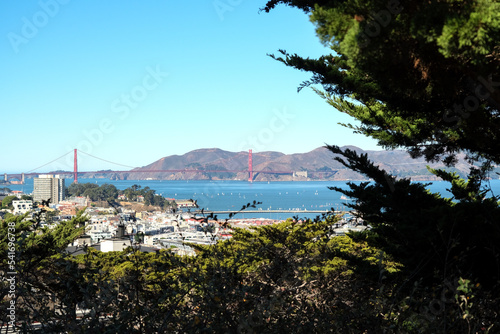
(149, 196)
(78, 189)
(7, 202)
(135, 190)
(109, 192)
(93, 191)
(423, 76)
(289, 277)
(46, 281)
(414, 272)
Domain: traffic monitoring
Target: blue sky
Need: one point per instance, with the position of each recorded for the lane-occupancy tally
(132, 82)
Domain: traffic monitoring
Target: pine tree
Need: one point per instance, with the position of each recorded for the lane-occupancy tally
(423, 76)
(419, 75)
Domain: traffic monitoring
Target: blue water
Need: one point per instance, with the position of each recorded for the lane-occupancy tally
(232, 195)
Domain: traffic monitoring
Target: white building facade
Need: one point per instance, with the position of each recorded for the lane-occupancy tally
(48, 187)
(22, 206)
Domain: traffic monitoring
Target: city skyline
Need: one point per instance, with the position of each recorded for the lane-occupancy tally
(132, 83)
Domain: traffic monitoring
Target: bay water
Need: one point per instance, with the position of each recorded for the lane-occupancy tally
(232, 195)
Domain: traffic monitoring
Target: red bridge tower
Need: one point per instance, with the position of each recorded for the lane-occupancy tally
(250, 166)
(75, 169)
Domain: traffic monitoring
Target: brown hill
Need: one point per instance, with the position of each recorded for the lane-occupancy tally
(218, 164)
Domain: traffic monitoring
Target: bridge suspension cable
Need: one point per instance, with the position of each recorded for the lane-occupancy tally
(111, 162)
(48, 163)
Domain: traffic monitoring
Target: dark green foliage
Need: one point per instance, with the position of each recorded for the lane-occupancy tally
(429, 233)
(109, 193)
(404, 81)
(46, 279)
(77, 189)
(95, 192)
(422, 75)
(290, 277)
(7, 202)
(150, 198)
(436, 239)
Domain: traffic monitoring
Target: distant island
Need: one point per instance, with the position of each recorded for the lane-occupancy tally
(318, 164)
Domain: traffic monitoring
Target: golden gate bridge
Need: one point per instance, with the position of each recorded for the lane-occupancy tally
(20, 177)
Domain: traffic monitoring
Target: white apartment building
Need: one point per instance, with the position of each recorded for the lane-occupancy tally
(21, 207)
(48, 187)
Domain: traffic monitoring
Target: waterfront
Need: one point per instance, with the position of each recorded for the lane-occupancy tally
(232, 195)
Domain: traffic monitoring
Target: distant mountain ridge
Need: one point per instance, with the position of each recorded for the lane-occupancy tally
(213, 163)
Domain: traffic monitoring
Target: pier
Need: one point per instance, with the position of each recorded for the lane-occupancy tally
(270, 211)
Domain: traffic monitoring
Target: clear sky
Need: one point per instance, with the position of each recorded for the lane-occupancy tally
(134, 81)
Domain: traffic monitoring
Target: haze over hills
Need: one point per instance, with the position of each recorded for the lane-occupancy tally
(213, 163)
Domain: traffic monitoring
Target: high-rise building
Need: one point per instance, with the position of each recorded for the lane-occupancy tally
(48, 187)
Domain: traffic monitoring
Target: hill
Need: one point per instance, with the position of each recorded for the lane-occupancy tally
(318, 164)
